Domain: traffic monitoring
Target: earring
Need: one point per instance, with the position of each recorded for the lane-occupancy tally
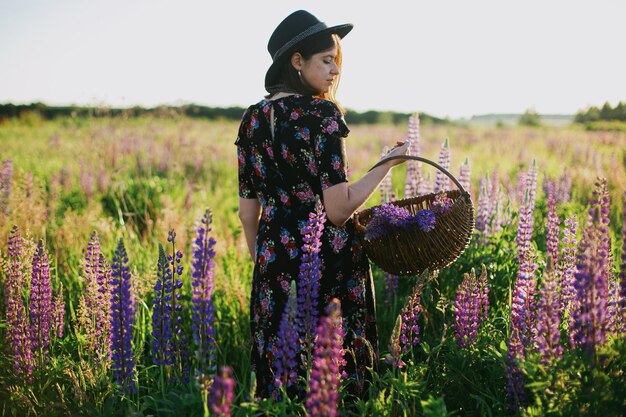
(300, 75)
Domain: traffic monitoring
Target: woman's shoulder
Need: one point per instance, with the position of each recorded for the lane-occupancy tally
(310, 105)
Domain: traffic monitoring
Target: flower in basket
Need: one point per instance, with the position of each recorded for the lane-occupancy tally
(425, 220)
(388, 219)
(442, 203)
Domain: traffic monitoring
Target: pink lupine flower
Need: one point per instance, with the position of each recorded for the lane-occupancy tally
(323, 393)
(548, 332)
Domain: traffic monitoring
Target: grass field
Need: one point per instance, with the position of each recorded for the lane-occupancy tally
(136, 179)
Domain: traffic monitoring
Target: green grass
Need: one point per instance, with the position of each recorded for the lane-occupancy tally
(153, 174)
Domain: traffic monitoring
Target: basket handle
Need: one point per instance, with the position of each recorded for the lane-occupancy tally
(428, 161)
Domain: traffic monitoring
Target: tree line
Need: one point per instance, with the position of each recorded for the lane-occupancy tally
(605, 113)
(9, 111)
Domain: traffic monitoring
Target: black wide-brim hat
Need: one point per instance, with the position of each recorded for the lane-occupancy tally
(294, 29)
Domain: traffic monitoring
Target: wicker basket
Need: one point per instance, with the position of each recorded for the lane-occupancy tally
(411, 251)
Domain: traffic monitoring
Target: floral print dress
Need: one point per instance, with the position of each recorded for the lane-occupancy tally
(287, 172)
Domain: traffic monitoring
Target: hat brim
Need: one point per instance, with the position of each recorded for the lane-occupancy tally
(274, 69)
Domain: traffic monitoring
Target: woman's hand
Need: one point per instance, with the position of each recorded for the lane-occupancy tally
(401, 148)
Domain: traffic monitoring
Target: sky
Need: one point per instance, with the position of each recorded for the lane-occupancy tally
(445, 58)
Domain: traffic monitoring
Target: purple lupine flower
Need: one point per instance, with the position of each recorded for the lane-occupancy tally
(482, 215)
(16, 318)
(442, 182)
(94, 312)
(180, 350)
(409, 330)
(590, 318)
(552, 231)
(6, 180)
(470, 307)
(203, 311)
(41, 308)
(523, 306)
(391, 286)
(386, 219)
(425, 220)
(287, 345)
(413, 168)
(622, 274)
(495, 204)
(548, 333)
(395, 349)
(465, 175)
(614, 322)
(161, 350)
(58, 313)
(441, 203)
(426, 185)
(565, 272)
(515, 387)
(386, 191)
(322, 396)
(558, 189)
(309, 276)
(122, 319)
(222, 393)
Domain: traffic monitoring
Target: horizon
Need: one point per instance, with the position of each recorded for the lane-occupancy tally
(557, 115)
(476, 59)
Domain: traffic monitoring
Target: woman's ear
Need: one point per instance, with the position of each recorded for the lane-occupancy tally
(297, 61)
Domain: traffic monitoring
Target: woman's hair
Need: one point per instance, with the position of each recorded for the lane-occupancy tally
(290, 78)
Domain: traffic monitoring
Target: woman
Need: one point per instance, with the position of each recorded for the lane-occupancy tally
(291, 154)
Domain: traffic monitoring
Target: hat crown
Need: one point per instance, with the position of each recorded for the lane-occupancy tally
(291, 26)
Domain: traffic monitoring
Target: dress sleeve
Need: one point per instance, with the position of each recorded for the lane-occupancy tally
(330, 146)
(246, 188)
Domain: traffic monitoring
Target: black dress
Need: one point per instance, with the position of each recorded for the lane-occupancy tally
(287, 174)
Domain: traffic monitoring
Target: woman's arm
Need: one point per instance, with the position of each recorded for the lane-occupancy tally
(342, 200)
(249, 214)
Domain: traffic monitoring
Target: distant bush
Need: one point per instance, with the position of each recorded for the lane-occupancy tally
(530, 118)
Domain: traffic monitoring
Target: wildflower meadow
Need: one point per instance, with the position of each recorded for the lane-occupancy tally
(125, 276)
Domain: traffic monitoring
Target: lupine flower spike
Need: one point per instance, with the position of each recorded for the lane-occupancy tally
(161, 313)
(41, 308)
(323, 394)
(622, 275)
(409, 330)
(413, 168)
(94, 313)
(470, 307)
(6, 181)
(309, 276)
(203, 311)
(442, 182)
(180, 350)
(523, 307)
(567, 266)
(122, 320)
(287, 346)
(395, 349)
(548, 334)
(465, 175)
(17, 320)
(591, 276)
(222, 393)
